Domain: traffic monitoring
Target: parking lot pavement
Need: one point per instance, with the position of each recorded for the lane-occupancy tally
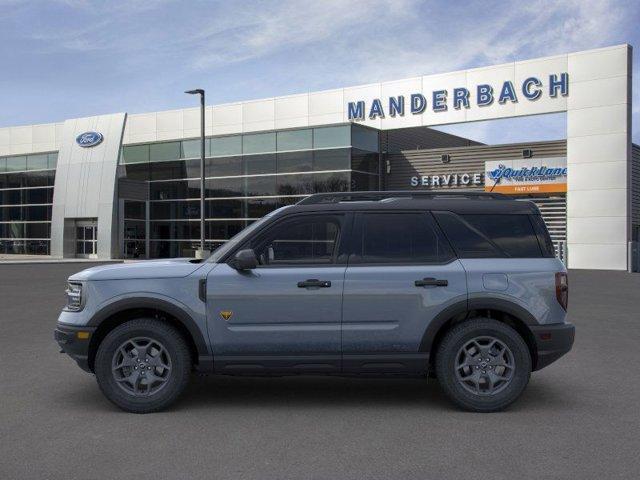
(579, 418)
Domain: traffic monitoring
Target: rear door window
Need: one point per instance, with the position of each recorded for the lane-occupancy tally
(400, 238)
(490, 235)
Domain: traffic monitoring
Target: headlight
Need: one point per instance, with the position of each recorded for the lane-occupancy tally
(74, 297)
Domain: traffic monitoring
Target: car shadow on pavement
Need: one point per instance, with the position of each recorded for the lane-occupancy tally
(310, 392)
(292, 392)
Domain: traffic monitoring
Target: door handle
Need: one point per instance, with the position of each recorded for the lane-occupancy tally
(431, 282)
(312, 282)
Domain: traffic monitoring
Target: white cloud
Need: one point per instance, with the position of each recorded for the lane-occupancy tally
(271, 47)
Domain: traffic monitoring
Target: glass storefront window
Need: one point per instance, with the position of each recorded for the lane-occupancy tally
(331, 182)
(260, 164)
(224, 209)
(134, 210)
(162, 152)
(259, 207)
(37, 230)
(364, 182)
(216, 230)
(331, 137)
(135, 154)
(37, 162)
(168, 170)
(16, 164)
(364, 138)
(259, 143)
(338, 159)
(364, 161)
(295, 140)
(137, 171)
(295, 184)
(225, 187)
(223, 166)
(225, 146)
(295, 162)
(3, 165)
(191, 148)
(52, 160)
(261, 186)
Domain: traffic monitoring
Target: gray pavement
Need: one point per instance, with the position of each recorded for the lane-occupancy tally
(579, 418)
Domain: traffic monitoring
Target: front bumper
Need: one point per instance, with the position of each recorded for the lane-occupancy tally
(75, 341)
(552, 342)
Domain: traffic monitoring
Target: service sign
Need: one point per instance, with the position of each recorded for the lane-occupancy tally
(518, 177)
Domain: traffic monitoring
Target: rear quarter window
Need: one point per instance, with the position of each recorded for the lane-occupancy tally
(491, 235)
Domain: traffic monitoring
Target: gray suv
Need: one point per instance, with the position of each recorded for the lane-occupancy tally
(461, 287)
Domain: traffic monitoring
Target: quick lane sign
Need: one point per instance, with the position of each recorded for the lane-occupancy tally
(544, 175)
(481, 95)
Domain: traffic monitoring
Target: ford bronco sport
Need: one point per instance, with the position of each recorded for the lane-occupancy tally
(463, 287)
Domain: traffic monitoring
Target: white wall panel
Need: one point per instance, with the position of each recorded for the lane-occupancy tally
(599, 63)
(598, 256)
(607, 175)
(295, 106)
(596, 148)
(604, 230)
(227, 119)
(44, 133)
(598, 93)
(142, 124)
(596, 203)
(597, 120)
(21, 135)
(326, 102)
(170, 121)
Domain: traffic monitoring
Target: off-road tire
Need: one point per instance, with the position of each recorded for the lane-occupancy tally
(447, 355)
(177, 376)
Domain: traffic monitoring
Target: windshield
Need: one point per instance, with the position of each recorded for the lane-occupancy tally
(240, 237)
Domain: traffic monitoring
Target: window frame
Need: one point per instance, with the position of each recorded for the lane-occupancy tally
(339, 257)
(355, 255)
(503, 254)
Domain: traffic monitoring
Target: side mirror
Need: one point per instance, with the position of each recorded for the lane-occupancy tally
(244, 260)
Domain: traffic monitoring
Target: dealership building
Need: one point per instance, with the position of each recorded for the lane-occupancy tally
(127, 185)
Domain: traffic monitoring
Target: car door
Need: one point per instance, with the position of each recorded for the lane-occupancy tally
(402, 273)
(285, 314)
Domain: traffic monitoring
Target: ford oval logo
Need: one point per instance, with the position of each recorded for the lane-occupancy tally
(89, 139)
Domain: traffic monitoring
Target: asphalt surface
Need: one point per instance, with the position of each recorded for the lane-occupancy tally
(579, 418)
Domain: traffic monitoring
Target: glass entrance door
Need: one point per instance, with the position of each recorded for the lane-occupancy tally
(86, 239)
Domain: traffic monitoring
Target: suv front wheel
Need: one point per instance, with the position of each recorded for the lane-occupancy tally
(483, 365)
(143, 365)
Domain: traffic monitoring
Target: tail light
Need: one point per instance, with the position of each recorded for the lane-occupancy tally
(562, 289)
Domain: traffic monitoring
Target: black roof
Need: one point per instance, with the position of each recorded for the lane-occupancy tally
(457, 202)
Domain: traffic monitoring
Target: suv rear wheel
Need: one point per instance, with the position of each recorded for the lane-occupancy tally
(483, 365)
(143, 365)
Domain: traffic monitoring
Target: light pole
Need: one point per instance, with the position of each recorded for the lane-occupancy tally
(202, 252)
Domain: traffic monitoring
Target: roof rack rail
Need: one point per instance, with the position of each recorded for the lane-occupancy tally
(337, 197)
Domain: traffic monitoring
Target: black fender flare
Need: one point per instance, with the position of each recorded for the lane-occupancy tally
(507, 306)
(464, 307)
(154, 303)
(438, 322)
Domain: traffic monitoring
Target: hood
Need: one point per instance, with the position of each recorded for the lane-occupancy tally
(169, 268)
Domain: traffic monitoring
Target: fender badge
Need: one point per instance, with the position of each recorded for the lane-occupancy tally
(226, 314)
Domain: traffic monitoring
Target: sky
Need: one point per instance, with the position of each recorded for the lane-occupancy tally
(74, 58)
